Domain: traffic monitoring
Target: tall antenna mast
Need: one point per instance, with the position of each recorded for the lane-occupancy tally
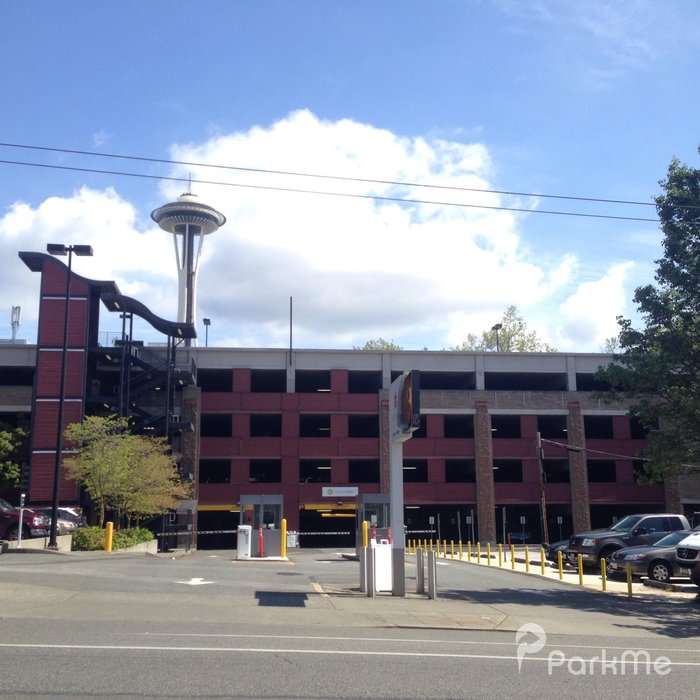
(15, 320)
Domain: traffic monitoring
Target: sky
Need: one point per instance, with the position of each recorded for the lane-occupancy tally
(390, 166)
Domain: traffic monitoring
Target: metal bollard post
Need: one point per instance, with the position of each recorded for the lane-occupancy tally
(512, 556)
(460, 550)
(542, 557)
(604, 573)
(432, 576)
(629, 580)
(109, 532)
(363, 569)
(283, 538)
(488, 553)
(478, 552)
(452, 549)
(580, 570)
(420, 572)
(370, 573)
(500, 554)
(560, 565)
(527, 560)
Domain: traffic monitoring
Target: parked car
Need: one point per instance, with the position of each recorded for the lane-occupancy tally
(688, 555)
(550, 550)
(33, 524)
(657, 561)
(73, 514)
(64, 525)
(640, 529)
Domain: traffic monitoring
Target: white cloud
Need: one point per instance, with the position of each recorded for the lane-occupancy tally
(357, 267)
(589, 314)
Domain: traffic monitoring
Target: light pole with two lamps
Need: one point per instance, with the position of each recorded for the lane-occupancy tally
(69, 250)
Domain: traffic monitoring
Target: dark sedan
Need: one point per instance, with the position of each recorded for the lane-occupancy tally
(657, 561)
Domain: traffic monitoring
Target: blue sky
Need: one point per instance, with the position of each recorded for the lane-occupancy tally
(578, 99)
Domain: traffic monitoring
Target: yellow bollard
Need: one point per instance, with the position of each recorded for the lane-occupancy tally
(560, 565)
(488, 553)
(460, 550)
(542, 558)
(512, 556)
(604, 573)
(283, 538)
(109, 533)
(469, 550)
(500, 555)
(478, 552)
(444, 549)
(580, 570)
(629, 580)
(365, 534)
(452, 549)
(527, 560)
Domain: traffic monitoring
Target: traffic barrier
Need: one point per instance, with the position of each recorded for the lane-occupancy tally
(580, 569)
(604, 573)
(478, 552)
(560, 564)
(488, 553)
(542, 558)
(109, 533)
(500, 555)
(527, 560)
(629, 579)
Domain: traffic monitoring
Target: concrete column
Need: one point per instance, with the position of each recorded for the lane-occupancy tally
(578, 470)
(485, 492)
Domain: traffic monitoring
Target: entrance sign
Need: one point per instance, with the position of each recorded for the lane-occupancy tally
(338, 491)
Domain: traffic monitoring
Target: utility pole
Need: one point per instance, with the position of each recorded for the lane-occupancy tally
(543, 500)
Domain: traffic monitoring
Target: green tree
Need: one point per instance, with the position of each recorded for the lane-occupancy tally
(133, 474)
(150, 484)
(378, 344)
(512, 336)
(658, 366)
(10, 469)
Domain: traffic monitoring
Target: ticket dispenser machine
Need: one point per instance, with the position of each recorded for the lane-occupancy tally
(374, 508)
(264, 515)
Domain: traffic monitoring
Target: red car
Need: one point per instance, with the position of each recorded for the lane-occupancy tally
(33, 524)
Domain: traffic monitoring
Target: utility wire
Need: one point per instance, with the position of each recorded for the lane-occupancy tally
(402, 200)
(323, 176)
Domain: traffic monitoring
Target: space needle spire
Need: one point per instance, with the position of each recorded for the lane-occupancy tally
(189, 221)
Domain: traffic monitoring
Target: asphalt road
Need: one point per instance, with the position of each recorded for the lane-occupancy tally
(203, 625)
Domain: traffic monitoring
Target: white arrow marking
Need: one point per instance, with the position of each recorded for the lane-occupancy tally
(196, 582)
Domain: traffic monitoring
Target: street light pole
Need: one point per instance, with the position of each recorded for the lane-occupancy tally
(497, 328)
(543, 500)
(60, 249)
(207, 323)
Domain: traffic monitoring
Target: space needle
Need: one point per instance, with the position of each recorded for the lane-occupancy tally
(189, 221)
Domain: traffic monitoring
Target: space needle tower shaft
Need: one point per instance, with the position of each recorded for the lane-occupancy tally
(188, 221)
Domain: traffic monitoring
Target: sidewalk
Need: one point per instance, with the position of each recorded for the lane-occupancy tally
(679, 588)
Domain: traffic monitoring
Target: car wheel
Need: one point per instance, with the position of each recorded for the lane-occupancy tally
(13, 534)
(659, 571)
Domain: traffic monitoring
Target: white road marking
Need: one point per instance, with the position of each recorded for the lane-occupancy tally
(323, 652)
(195, 582)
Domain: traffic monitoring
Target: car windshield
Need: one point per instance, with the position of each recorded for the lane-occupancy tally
(626, 524)
(672, 539)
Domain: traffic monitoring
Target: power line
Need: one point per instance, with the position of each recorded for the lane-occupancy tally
(324, 176)
(296, 190)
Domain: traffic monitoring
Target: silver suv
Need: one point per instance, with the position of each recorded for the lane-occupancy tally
(688, 555)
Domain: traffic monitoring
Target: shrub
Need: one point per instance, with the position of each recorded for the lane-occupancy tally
(88, 539)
